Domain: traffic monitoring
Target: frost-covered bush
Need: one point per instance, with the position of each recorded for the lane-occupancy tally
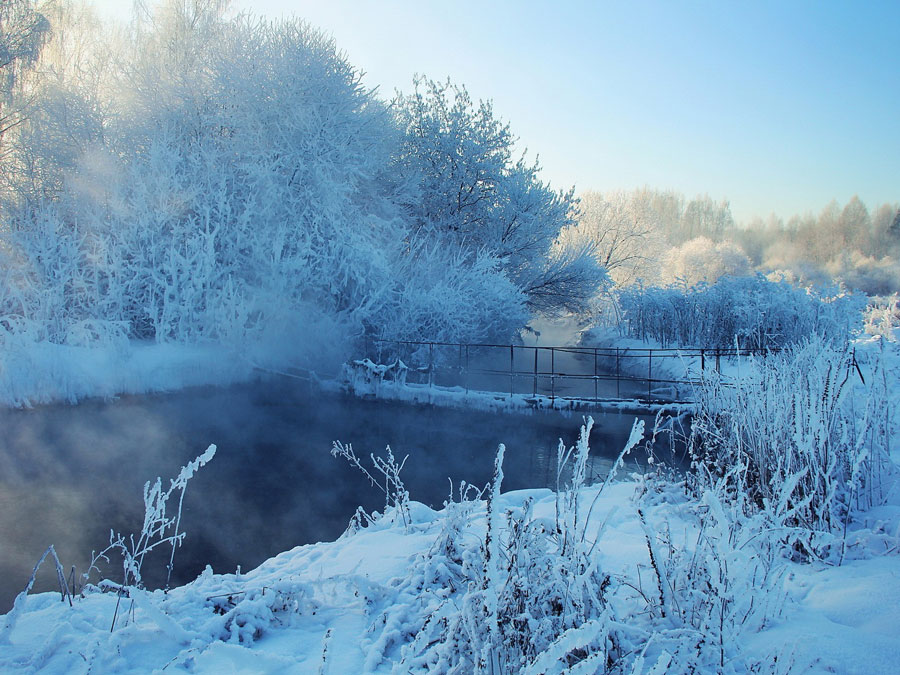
(525, 596)
(874, 275)
(713, 583)
(798, 436)
(882, 317)
(516, 591)
(231, 179)
(701, 260)
(753, 311)
(453, 294)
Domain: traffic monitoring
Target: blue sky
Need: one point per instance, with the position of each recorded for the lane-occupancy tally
(776, 106)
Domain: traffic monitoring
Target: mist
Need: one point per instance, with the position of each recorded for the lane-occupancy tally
(69, 474)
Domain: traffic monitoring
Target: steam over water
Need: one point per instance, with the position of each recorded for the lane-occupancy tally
(69, 474)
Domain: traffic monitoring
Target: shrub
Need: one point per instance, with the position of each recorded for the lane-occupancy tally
(799, 437)
(754, 311)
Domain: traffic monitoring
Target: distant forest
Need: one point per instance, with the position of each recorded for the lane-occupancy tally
(660, 237)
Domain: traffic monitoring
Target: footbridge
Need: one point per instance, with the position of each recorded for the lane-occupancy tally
(584, 378)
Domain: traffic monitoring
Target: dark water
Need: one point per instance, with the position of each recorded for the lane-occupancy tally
(69, 474)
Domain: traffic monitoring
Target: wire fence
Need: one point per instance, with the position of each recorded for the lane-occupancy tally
(582, 373)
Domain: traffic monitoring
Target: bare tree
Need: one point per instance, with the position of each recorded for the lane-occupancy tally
(23, 32)
(621, 229)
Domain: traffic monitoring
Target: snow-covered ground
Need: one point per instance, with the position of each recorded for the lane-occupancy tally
(408, 590)
(33, 373)
(350, 606)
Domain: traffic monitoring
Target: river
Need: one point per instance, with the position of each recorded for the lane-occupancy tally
(70, 473)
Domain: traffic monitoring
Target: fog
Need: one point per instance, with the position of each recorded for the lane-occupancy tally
(68, 474)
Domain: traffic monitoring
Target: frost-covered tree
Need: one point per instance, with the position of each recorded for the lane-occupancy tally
(705, 218)
(23, 32)
(463, 186)
(893, 229)
(623, 230)
(237, 185)
(68, 105)
(701, 260)
(854, 225)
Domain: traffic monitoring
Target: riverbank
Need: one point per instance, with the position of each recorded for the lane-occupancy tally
(363, 603)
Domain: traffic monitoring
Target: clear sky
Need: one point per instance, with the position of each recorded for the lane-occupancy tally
(776, 106)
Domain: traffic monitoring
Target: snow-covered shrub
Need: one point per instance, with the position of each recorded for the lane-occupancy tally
(715, 577)
(754, 311)
(800, 437)
(449, 293)
(868, 273)
(396, 496)
(882, 317)
(509, 592)
(92, 332)
(702, 261)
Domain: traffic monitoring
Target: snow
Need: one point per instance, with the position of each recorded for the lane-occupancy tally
(32, 373)
(356, 605)
(276, 617)
(388, 382)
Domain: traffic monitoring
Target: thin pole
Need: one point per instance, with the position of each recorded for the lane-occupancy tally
(511, 368)
(618, 377)
(552, 373)
(649, 375)
(467, 369)
(596, 392)
(430, 364)
(535, 371)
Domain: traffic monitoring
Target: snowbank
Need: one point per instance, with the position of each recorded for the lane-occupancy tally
(44, 372)
(639, 575)
(354, 605)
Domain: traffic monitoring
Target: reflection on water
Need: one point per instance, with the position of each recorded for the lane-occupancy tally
(70, 473)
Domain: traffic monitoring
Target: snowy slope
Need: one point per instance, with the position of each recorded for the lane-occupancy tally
(384, 598)
(323, 607)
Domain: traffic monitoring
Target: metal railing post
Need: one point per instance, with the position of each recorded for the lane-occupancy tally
(618, 376)
(467, 369)
(552, 373)
(511, 369)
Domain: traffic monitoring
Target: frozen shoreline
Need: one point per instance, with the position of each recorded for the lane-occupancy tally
(357, 604)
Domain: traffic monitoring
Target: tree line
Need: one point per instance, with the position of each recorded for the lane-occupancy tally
(198, 175)
(660, 238)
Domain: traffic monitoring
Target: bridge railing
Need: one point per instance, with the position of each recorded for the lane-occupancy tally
(584, 373)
